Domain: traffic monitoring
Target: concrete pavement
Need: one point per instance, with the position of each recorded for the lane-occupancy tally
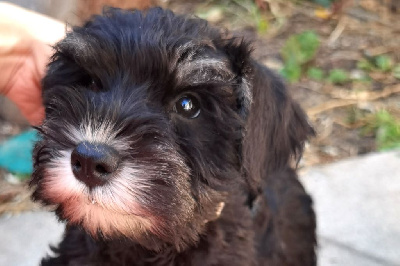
(357, 202)
(25, 238)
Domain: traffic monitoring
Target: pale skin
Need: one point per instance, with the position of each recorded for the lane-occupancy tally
(26, 40)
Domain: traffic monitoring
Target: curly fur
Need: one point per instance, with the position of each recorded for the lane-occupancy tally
(217, 189)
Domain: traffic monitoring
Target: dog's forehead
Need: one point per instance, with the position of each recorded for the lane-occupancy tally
(200, 64)
(149, 47)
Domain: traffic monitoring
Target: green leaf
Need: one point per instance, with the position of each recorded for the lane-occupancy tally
(338, 76)
(262, 25)
(384, 63)
(309, 43)
(365, 64)
(396, 71)
(315, 73)
(291, 72)
(298, 50)
(386, 130)
(301, 47)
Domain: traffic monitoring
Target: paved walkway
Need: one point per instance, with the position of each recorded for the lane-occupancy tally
(25, 239)
(357, 203)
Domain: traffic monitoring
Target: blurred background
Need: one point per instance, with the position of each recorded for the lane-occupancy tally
(340, 58)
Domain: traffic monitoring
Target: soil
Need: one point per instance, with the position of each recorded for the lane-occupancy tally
(355, 30)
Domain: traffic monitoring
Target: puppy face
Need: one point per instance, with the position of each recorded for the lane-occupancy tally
(144, 118)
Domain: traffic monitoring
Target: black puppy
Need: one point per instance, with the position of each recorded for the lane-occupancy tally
(164, 143)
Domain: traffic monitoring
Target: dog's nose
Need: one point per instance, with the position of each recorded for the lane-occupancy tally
(94, 163)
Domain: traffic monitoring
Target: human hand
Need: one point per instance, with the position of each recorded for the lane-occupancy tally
(25, 48)
(27, 63)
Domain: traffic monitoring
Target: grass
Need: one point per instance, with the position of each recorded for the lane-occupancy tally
(298, 50)
(381, 124)
(386, 129)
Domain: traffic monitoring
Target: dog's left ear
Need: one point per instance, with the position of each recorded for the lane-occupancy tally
(276, 128)
(276, 123)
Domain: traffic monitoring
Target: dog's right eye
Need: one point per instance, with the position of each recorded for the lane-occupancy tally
(187, 106)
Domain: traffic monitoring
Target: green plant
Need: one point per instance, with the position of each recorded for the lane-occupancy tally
(298, 50)
(315, 73)
(381, 63)
(385, 128)
(365, 64)
(396, 71)
(338, 76)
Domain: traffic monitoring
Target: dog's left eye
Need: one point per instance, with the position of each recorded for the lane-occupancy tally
(95, 85)
(187, 106)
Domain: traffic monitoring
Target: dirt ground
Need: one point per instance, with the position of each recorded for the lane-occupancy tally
(355, 30)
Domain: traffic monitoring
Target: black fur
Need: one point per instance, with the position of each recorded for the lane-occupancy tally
(120, 75)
